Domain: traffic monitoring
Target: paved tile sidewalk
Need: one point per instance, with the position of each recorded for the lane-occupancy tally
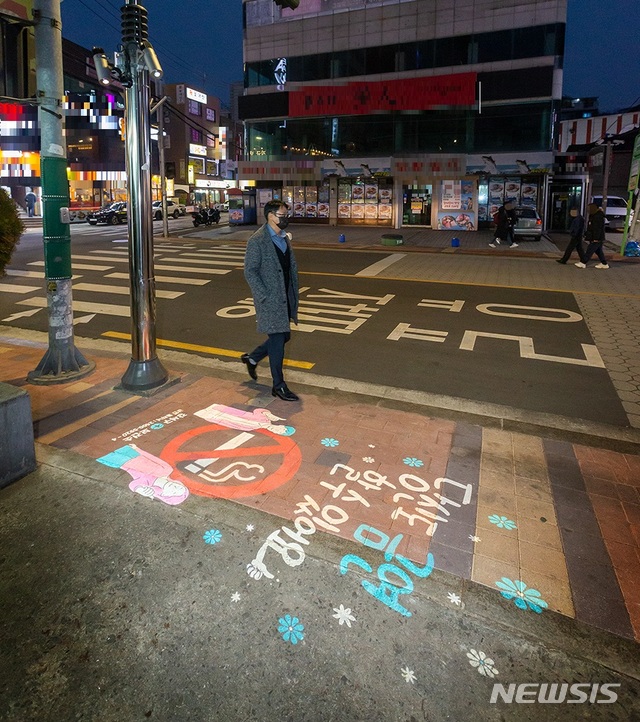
(548, 523)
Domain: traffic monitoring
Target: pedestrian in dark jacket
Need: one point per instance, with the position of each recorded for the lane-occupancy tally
(576, 232)
(595, 237)
(507, 220)
(271, 272)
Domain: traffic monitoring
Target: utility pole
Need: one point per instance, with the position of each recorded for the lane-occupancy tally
(62, 362)
(134, 62)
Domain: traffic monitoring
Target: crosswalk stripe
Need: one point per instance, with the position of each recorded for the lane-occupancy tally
(123, 252)
(121, 290)
(217, 252)
(98, 258)
(12, 288)
(167, 279)
(77, 266)
(25, 274)
(82, 306)
(193, 260)
(212, 271)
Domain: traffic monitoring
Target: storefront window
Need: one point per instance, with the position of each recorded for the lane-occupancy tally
(495, 191)
(365, 201)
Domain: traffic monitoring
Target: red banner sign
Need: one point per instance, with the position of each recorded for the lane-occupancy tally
(384, 96)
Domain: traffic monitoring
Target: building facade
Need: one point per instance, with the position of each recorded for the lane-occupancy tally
(402, 112)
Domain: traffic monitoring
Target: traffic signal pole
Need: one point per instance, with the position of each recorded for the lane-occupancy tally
(62, 362)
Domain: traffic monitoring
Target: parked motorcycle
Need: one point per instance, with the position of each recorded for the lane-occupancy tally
(205, 217)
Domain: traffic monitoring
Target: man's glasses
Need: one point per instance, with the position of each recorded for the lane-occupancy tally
(280, 215)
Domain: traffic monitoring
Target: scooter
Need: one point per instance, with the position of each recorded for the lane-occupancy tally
(201, 218)
(214, 215)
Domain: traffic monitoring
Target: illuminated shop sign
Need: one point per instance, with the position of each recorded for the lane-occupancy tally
(195, 149)
(366, 97)
(197, 96)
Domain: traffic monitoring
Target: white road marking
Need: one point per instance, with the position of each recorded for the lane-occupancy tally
(78, 266)
(111, 259)
(173, 259)
(83, 307)
(121, 290)
(375, 268)
(20, 314)
(25, 274)
(213, 271)
(12, 288)
(166, 279)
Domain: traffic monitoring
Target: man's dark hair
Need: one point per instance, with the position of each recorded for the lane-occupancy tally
(273, 206)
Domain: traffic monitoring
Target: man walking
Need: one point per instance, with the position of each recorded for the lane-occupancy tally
(272, 273)
(30, 199)
(576, 231)
(595, 236)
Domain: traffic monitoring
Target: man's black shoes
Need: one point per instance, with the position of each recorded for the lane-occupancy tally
(284, 393)
(251, 367)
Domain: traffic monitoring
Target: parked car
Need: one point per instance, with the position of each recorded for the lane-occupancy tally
(223, 207)
(112, 213)
(529, 223)
(174, 210)
(616, 212)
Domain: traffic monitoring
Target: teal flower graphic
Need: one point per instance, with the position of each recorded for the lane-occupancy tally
(412, 461)
(502, 522)
(213, 536)
(330, 442)
(523, 597)
(157, 426)
(290, 629)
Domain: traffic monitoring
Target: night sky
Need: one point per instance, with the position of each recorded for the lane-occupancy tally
(200, 42)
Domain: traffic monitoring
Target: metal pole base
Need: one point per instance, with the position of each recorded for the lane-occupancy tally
(144, 375)
(61, 365)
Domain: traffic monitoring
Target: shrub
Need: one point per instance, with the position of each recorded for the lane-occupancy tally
(11, 228)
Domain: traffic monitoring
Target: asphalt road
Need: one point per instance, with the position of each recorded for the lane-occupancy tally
(525, 349)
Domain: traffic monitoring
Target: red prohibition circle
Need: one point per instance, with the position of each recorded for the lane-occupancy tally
(282, 445)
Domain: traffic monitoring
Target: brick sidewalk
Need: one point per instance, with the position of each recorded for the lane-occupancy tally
(502, 509)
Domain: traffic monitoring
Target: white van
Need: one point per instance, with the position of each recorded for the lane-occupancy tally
(616, 212)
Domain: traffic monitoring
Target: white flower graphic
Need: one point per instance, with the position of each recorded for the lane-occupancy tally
(408, 674)
(235, 597)
(454, 598)
(368, 459)
(475, 539)
(483, 663)
(250, 527)
(372, 446)
(343, 615)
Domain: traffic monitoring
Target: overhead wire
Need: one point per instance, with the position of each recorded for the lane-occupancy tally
(171, 58)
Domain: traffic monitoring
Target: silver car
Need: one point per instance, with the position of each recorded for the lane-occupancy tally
(529, 223)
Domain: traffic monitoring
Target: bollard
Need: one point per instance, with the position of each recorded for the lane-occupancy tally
(341, 238)
(455, 242)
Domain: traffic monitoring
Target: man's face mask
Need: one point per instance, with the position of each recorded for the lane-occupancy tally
(283, 221)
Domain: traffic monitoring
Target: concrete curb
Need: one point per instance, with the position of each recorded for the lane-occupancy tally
(621, 439)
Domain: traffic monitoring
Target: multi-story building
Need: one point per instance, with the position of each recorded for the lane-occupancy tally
(193, 151)
(402, 112)
(95, 131)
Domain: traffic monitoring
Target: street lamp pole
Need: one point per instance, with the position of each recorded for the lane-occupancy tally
(135, 61)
